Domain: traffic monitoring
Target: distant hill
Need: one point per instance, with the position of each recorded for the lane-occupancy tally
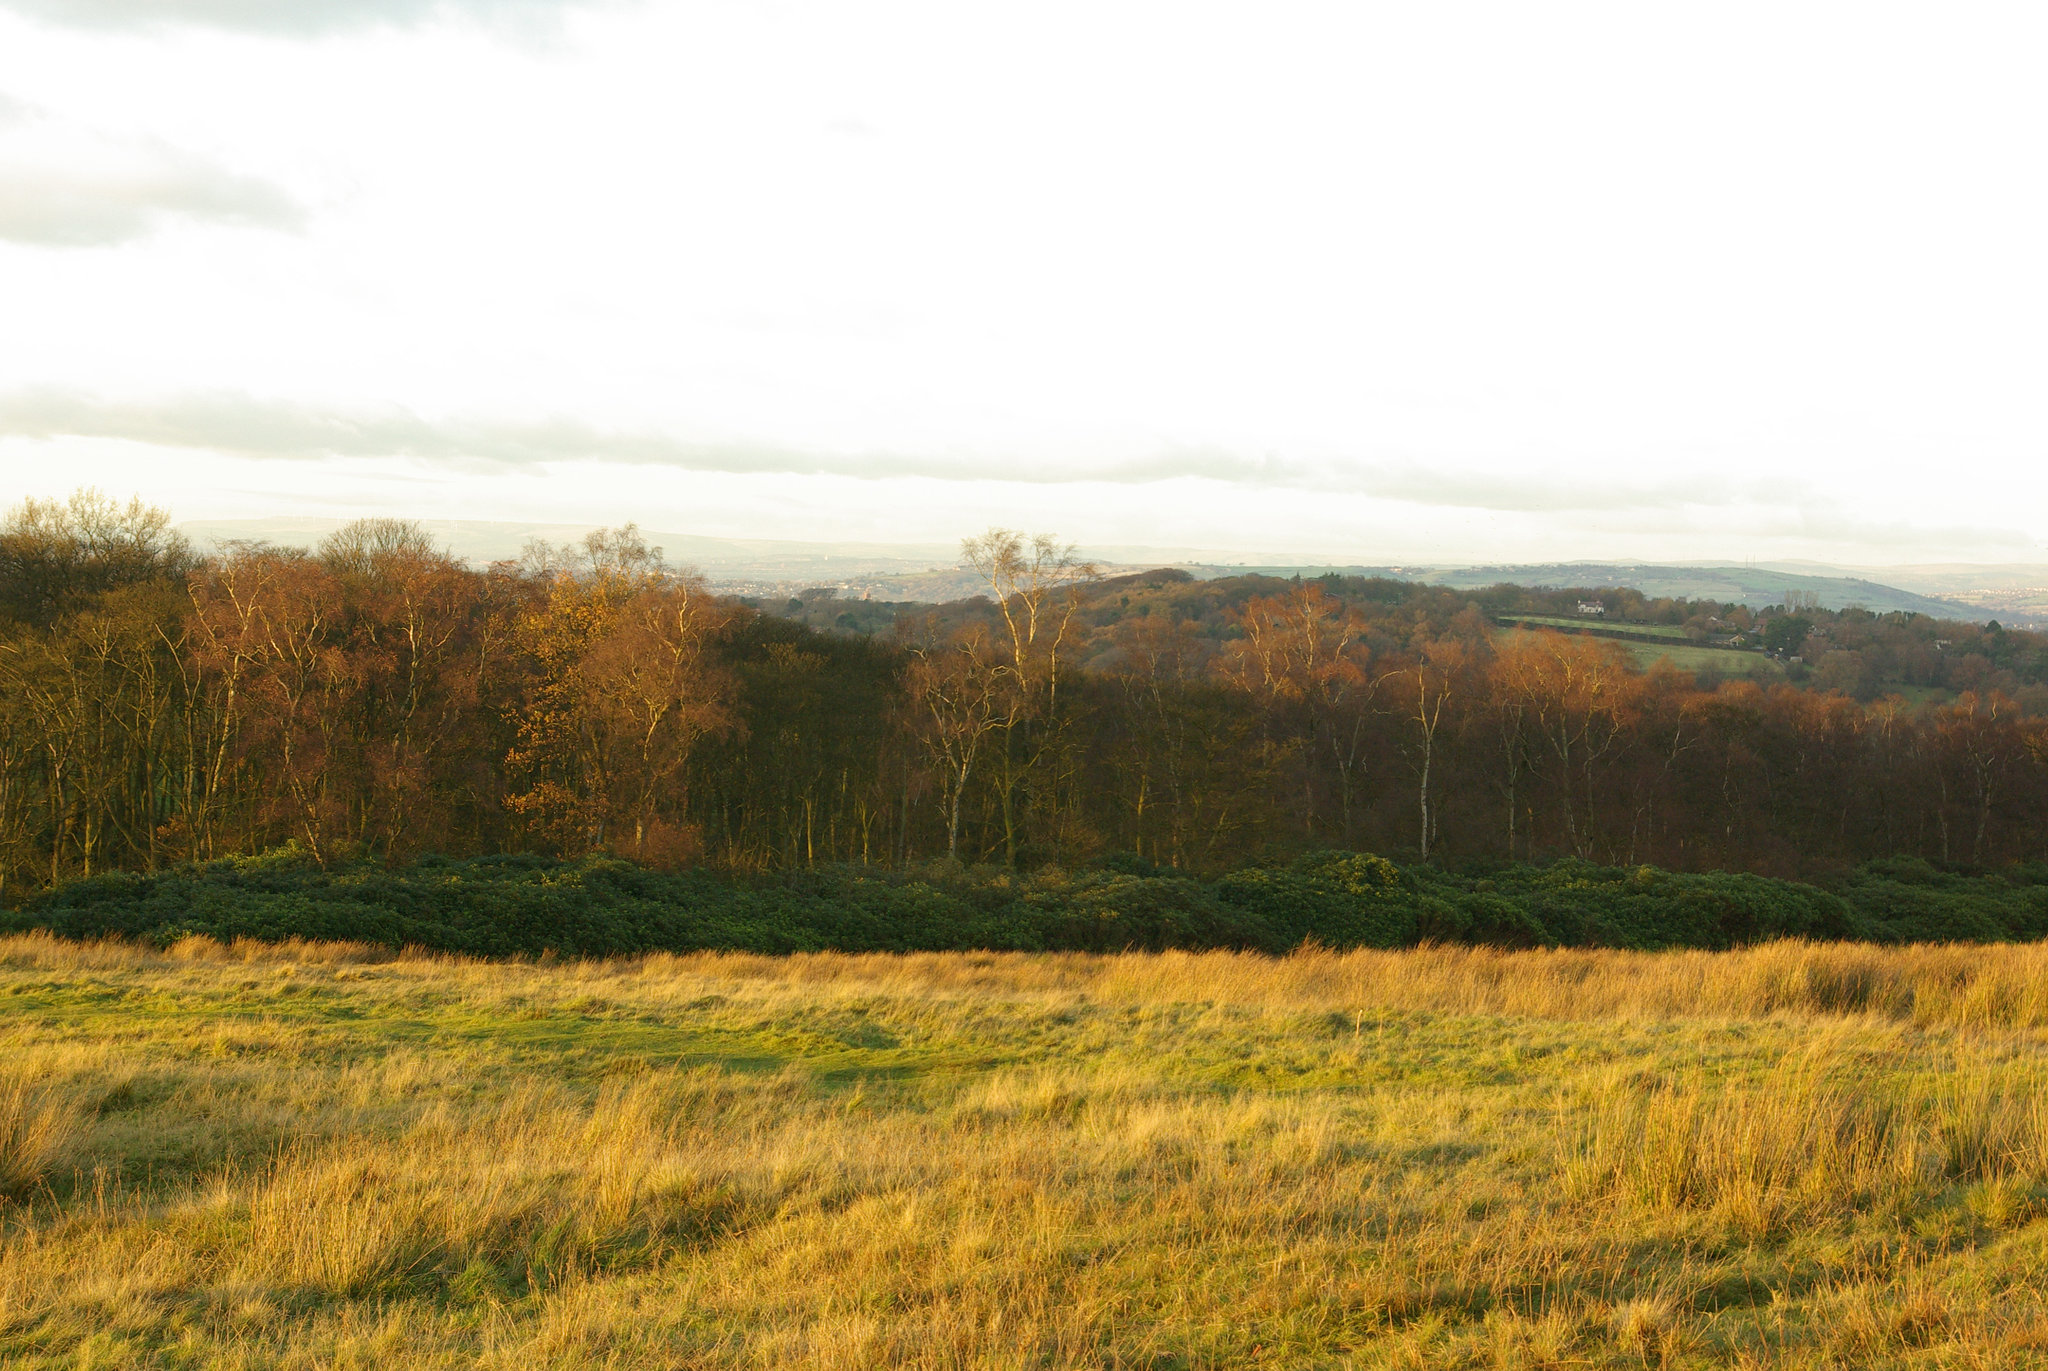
(1737, 584)
(927, 573)
(481, 541)
(2016, 593)
(930, 572)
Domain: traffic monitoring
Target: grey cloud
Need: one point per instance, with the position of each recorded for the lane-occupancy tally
(65, 185)
(245, 426)
(62, 208)
(1444, 484)
(281, 18)
(1533, 495)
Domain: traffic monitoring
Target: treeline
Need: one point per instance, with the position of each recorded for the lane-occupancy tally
(374, 699)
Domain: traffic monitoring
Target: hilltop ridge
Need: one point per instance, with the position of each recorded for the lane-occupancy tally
(929, 573)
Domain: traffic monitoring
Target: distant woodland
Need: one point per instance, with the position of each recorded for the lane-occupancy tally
(372, 699)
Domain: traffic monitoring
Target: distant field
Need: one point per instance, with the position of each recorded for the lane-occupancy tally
(313, 1156)
(1651, 630)
(1687, 657)
(1747, 585)
(1918, 694)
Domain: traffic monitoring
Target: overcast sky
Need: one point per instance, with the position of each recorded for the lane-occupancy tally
(1381, 282)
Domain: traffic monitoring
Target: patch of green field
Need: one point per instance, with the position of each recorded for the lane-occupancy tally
(1648, 630)
(298, 1156)
(1918, 694)
(1687, 657)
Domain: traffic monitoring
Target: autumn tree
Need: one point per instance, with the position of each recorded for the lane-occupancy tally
(85, 708)
(653, 690)
(88, 683)
(621, 684)
(1570, 691)
(1977, 744)
(57, 555)
(263, 625)
(1303, 656)
(417, 635)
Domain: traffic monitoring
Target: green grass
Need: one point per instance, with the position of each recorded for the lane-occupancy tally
(1684, 656)
(1673, 631)
(319, 1156)
(1727, 661)
(1918, 694)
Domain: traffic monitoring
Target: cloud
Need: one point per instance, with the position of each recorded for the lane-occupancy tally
(62, 185)
(57, 207)
(244, 426)
(279, 18)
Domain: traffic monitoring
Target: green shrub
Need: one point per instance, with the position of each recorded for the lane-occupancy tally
(600, 906)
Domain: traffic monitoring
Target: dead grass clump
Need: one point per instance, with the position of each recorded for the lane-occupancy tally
(541, 1191)
(1819, 1139)
(1990, 1124)
(199, 948)
(35, 1127)
(1872, 1319)
(40, 950)
(1807, 1142)
(1995, 987)
(1651, 1326)
(348, 1222)
(1813, 979)
(1998, 988)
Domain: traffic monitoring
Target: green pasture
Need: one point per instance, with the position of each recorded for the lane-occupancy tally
(1687, 657)
(1651, 630)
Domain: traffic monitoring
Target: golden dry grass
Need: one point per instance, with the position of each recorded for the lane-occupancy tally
(324, 1156)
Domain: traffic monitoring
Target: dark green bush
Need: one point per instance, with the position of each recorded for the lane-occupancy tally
(598, 906)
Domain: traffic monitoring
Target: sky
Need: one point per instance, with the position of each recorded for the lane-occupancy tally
(1377, 283)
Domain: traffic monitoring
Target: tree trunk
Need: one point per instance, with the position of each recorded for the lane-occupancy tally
(1428, 749)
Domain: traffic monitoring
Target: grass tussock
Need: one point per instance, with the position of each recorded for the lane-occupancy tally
(35, 1127)
(541, 1191)
(323, 1155)
(1997, 987)
(1812, 1140)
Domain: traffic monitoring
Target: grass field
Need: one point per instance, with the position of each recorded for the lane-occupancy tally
(1672, 631)
(1686, 657)
(1919, 694)
(321, 1157)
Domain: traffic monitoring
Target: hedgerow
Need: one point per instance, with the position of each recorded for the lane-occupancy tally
(601, 906)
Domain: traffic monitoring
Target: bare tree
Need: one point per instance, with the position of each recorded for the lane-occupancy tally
(1303, 655)
(1038, 584)
(1437, 671)
(957, 691)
